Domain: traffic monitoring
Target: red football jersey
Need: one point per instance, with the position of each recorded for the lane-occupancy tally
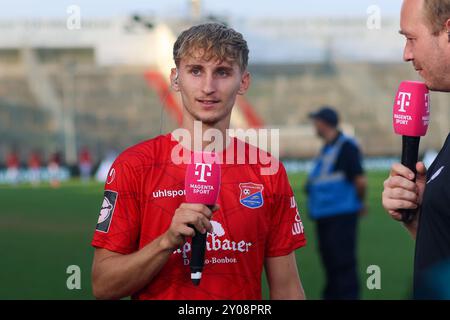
(258, 218)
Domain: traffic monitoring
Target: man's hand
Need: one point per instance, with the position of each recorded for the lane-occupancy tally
(360, 183)
(401, 192)
(188, 215)
(363, 212)
(116, 275)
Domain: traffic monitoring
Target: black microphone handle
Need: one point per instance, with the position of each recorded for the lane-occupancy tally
(410, 154)
(198, 251)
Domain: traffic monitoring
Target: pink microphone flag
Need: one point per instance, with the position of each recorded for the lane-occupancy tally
(411, 109)
(202, 181)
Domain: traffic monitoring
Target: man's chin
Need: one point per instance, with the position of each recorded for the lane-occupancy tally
(209, 121)
(437, 87)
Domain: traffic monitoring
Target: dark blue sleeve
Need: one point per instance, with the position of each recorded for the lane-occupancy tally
(350, 161)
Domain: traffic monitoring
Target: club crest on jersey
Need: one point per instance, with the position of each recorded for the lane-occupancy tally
(251, 195)
(106, 211)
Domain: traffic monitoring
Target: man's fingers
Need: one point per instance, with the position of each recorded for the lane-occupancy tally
(395, 215)
(186, 231)
(195, 215)
(400, 182)
(199, 221)
(209, 226)
(197, 207)
(402, 194)
(400, 170)
(396, 205)
(420, 167)
(421, 172)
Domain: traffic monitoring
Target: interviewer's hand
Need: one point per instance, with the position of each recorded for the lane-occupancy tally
(400, 191)
(186, 216)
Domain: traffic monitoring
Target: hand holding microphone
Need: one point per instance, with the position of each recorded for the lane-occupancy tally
(401, 192)
(188, 218)
(404, 188)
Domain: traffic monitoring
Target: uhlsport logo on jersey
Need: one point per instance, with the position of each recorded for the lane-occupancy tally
(165, 193)
(251, 195)
(106, 211)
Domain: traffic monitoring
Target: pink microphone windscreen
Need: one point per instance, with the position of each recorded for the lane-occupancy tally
(202, 181)
(411, 109)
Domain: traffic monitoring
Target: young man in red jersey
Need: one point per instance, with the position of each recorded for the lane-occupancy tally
(143, 235)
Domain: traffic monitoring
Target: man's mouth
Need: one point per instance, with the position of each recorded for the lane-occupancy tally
(208, 101)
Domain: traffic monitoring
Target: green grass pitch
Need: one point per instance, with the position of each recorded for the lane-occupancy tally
(44, 230)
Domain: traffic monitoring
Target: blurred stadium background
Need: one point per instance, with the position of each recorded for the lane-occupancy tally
(105, 87)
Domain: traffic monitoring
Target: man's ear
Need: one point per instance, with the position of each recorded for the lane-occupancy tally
(245, 83)
(174, 79)
(447, 28)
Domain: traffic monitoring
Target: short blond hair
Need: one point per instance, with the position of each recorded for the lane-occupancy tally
(215, 40)
(437, 12)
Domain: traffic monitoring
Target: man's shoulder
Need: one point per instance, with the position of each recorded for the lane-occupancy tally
(350, 145)
(257, 156)
(145, 152)
(252, 149)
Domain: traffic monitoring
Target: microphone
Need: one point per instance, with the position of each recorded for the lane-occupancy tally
(411, 117)
(202, 185)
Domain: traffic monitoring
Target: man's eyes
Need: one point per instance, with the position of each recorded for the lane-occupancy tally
(223, 73)
(220, 73)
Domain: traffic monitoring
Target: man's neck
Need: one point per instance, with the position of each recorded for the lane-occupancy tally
(331, 136)
(202, 135)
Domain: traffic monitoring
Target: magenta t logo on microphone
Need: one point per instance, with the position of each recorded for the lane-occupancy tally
(404, 101)
(201, 173)
(411, 109)
(203, 176)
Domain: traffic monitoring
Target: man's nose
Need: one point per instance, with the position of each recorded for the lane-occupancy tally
(407, 53)
(209, 85)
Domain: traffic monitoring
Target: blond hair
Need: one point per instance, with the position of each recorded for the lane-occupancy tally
(214, 40)
(437, 12)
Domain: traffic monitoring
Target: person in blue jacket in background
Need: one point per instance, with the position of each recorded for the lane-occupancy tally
(336, 189)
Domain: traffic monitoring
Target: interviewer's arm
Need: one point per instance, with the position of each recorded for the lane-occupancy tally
(282, 276)
(400, 192)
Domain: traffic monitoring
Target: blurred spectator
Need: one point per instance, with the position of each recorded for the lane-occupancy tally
(53, 169)
(336, 189)
(12, 167)
(85, 164)
(105, 165)
(34, 168)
